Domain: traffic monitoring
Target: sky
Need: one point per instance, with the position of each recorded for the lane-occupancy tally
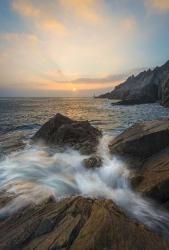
(78, 47)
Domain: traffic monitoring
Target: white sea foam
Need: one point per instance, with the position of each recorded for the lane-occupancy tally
(36, 173)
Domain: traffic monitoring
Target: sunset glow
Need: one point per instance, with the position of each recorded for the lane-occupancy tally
(57, 47)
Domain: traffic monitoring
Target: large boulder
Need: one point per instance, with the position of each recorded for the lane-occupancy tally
(145, 146)
(64, 132)
(141, 141)
(76, 223)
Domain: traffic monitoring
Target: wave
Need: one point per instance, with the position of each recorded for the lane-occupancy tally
(36, 173)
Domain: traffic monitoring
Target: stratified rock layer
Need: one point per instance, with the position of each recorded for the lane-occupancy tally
(64, 132)
(76, 223)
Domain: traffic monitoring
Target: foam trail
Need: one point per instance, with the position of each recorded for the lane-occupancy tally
(37, 173)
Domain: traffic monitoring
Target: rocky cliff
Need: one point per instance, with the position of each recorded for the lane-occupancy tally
(147, 87)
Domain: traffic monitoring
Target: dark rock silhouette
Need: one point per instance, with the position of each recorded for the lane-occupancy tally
(165, 93)
(147, 87)
(64, 132)
(131, 102)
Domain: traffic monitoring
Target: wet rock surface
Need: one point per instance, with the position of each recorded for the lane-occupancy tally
(141, 141)
(64, 132)
(155, 177)
(93, 162)
(76, 223)
(145, 147)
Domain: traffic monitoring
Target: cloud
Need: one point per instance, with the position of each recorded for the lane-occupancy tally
(86, 83)
(86, 9)
(93, 49)
(45, 15)
(19, 37)
(158, 5)
(129, 24)
(40, 15)
(25, 8)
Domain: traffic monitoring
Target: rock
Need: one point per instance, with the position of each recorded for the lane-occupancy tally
(146, 148)
(141, 141)
(64, 132)
(92, 162)
(155, 177)
(165, 93)
(135, 179)
(76, 223)
(130, 102)
(147, 87)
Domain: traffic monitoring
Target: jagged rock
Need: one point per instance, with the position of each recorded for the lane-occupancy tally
(76, 223)
(92, 162)
(64, 132)
(147, 87)
(165, 93)
(141, 141)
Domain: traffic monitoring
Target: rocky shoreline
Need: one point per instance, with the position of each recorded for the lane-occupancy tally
(85, 223)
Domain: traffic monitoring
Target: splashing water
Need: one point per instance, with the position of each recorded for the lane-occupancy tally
(37, 173)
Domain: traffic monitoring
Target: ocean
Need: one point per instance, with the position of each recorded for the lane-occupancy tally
(20, 118)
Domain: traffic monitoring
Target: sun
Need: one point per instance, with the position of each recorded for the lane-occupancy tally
(74, 89)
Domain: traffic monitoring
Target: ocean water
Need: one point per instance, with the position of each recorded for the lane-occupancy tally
(32, 173)
(20, 118)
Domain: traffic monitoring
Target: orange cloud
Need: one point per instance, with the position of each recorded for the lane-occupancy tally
(53, 25)
(25, 38)
(158, 5)
(77, 86)
(42, 18)
(25, 8)
(129, 24)
(85, 9)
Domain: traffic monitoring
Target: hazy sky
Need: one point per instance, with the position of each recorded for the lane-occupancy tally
(78, 47)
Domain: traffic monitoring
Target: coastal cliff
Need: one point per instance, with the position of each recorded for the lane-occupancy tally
(147, 87)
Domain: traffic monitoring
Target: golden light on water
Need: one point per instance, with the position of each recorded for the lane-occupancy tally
(74, 89)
